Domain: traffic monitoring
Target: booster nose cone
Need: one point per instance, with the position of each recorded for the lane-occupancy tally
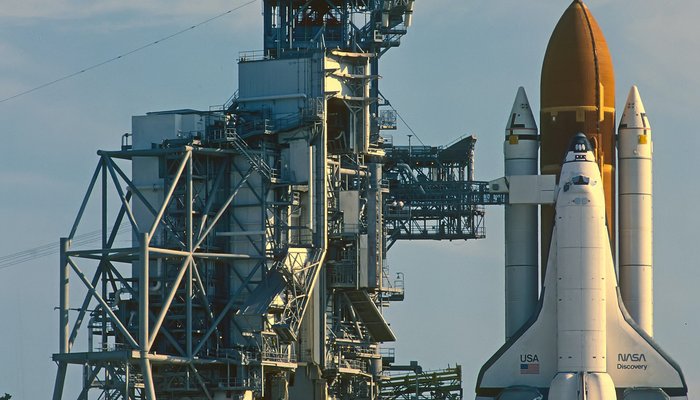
(521, 117)
(634, 116)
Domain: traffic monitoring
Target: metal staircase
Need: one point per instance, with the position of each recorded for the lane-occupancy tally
(444, 384)
(255, 160)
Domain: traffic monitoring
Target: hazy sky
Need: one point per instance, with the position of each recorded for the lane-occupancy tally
(456, 72)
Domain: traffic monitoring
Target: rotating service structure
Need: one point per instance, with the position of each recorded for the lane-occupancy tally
(255, 268)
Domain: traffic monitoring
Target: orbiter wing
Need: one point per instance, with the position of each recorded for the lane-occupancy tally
(523, 368)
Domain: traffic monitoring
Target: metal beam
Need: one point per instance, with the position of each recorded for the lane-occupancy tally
(60, 381)
(64, 299)
(223, 208)
(84, 308)
(144, 310)
(225, 310)
(210, 201)
(168, 301)
(149, 387)
(104, 305)
(201, 382)
(169, 195)
(122, 197)
(189, 243)
(88, 193)
(163, 330)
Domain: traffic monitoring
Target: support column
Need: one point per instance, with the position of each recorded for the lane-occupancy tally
(149, 388)
(64, 323)
(64, 299)
(189, 192)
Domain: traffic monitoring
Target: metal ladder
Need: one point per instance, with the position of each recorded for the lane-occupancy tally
(255, 160)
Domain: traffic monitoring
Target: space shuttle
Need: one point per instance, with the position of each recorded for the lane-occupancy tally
(577, 326)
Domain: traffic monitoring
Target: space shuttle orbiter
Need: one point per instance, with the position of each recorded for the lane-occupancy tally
(580, 343)
(587, 333)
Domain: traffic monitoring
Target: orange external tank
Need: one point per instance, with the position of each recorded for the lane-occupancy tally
(577, 95)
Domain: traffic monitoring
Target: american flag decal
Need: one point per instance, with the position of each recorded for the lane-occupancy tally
(529, 369)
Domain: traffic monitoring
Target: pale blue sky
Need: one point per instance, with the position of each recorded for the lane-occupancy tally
(456, 72)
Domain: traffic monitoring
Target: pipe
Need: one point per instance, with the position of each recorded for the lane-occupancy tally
(273, 97)
(408, 171)
(352, 172)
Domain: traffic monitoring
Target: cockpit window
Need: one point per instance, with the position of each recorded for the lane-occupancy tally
(580, 180)
(580, 144)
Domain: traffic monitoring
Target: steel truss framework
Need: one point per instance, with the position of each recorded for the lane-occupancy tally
(445, 384)
(433, 194)
(170, 329)
(223, 289)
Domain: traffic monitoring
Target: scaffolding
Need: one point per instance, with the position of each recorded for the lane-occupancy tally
(433, 194)
(258, 230)
(443, 384)
(185, 305)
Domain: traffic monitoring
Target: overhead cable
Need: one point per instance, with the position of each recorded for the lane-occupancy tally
(48, 249)
(407, 125)
(128, 53)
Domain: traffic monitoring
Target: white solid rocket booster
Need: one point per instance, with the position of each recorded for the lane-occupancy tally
(520, 154)
(635, 198)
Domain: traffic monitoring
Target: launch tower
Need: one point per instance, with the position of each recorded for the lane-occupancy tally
(257, 234)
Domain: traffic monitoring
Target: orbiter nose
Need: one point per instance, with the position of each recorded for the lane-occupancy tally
(580, 144)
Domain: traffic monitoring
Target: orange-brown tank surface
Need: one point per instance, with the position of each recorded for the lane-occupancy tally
(577, 95)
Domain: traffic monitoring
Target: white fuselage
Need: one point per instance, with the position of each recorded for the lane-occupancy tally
(581, 249)
(581, 242)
